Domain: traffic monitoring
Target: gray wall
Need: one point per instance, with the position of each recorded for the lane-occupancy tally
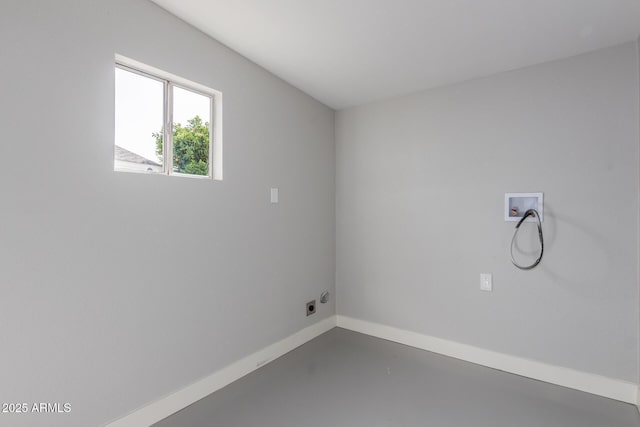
(420, 198)
(118, 288)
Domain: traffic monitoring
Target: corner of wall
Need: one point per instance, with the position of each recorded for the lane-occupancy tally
(638, 237)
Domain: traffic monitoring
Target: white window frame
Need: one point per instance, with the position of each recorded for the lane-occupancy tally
(215, 120)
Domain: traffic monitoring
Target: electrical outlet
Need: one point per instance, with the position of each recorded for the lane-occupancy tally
(311, 308)
(275, 197)
(486, 282)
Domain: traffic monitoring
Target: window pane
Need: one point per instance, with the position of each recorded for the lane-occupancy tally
(191, 115)
(139, 122)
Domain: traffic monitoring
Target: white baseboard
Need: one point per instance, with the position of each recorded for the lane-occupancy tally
(583, 381)
(590, 383)
(171, 404)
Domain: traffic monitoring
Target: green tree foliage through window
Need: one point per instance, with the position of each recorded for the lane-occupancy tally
(190, 147)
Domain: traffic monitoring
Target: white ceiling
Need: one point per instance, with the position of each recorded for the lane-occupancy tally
(348, 52)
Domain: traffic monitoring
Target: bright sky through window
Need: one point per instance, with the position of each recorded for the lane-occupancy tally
(164, 124)
(139, 113)
(187, 105)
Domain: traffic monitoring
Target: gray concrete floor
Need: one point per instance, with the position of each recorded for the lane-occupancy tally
(346, 379)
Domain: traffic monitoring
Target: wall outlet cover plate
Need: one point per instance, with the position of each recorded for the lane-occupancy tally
(311, 308)
(486, 282)
(516, 204)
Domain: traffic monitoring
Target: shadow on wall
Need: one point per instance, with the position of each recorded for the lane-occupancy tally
(575, 257)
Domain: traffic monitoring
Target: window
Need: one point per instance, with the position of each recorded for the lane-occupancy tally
(165, 124)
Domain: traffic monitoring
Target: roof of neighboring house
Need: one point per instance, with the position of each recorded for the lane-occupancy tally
(125, 155)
